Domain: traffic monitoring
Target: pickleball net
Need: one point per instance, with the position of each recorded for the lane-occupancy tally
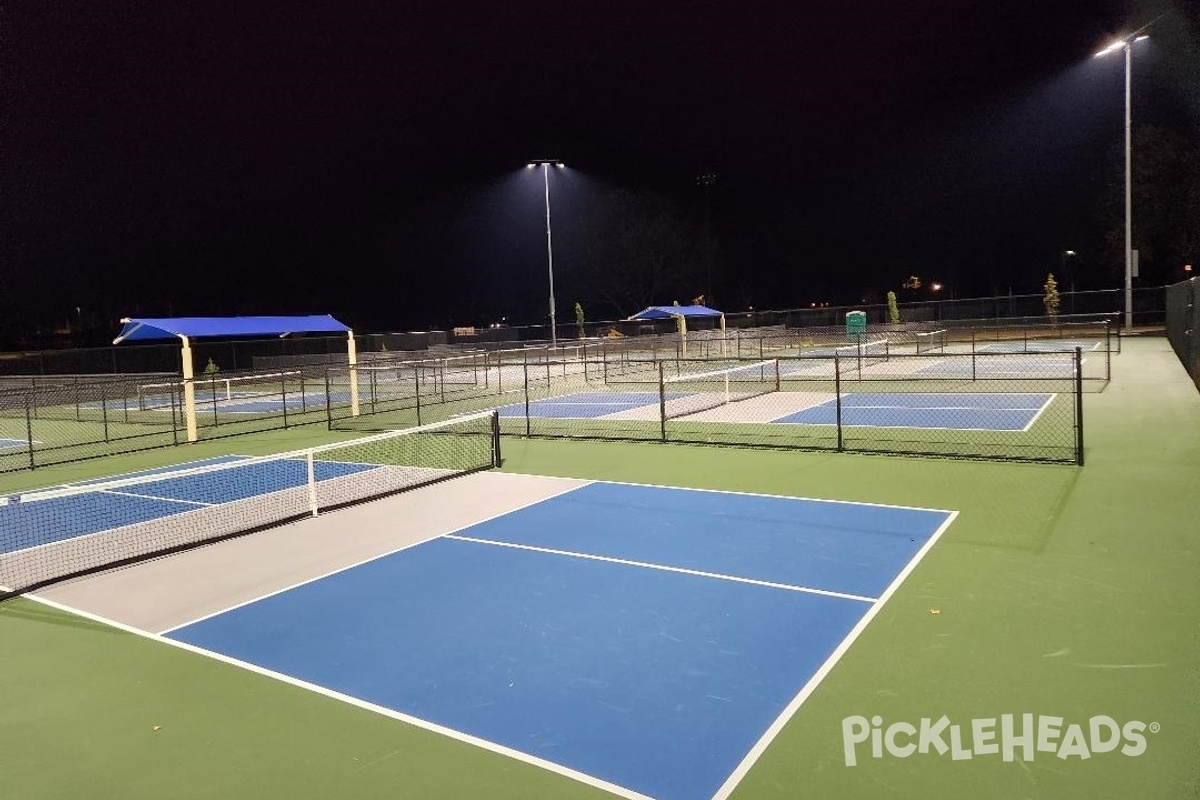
(691, 393)
(54, 534)
(931, 341)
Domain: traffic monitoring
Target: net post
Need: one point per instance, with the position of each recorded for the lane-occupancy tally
(497, 459)
(662, 400)
(312, 482)
(837, 393)
(1079, 406)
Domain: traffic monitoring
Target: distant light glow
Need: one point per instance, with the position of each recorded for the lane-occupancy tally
(937, 287)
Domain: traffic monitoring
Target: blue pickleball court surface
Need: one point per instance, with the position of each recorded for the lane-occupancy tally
(644, 637)
(585, 405)
(1039, 346)
(987, 412)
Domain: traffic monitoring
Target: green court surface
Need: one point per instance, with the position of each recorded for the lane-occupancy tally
(1059, 592)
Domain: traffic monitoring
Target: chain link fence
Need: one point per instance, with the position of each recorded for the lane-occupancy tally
(55, 419)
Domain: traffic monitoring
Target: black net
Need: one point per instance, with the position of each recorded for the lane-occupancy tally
(46, 536)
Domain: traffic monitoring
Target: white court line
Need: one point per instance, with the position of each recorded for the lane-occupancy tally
(155, 497)
(765, 741)
(845, 408)
(417, 722)
(734, 493)
(368, 560)
(1045, 405)
(663, 567)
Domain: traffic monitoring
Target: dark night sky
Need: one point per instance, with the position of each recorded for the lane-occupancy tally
(167, 158)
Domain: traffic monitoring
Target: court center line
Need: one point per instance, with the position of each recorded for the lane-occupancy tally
(154, 497)
(368, 559)
(665, 568)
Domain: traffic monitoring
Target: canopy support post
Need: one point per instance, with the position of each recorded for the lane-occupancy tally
(352, 359)
(189, 390)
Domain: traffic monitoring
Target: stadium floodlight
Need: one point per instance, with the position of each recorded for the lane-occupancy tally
(1125, 44)
(545, 164)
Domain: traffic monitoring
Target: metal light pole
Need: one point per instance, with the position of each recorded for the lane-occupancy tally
(545, 164)
(1126, 45)
(706, 181)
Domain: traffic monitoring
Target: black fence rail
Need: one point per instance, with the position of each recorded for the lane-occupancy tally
(1183, 325)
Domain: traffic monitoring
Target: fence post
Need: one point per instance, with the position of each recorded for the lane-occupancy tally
(174, 419)
(104, 408)
(528, 426)
(283, 396)
(29, 426)
(417, 384)
(212, 390)
(662, 400)
(837, 393)
(328, 401)
(1079, 406)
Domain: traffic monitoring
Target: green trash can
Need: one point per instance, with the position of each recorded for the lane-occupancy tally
(856, 326)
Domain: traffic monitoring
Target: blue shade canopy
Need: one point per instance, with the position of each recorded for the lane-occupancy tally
(668, 312)
(145, 328)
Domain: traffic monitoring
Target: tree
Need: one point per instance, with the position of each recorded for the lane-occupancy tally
(579, 326)
(1050, 297)
(893, 309)
(1166, 203)
(633, 249)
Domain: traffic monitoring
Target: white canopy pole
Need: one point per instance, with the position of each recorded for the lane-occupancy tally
(722, 335)
(189, 390)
